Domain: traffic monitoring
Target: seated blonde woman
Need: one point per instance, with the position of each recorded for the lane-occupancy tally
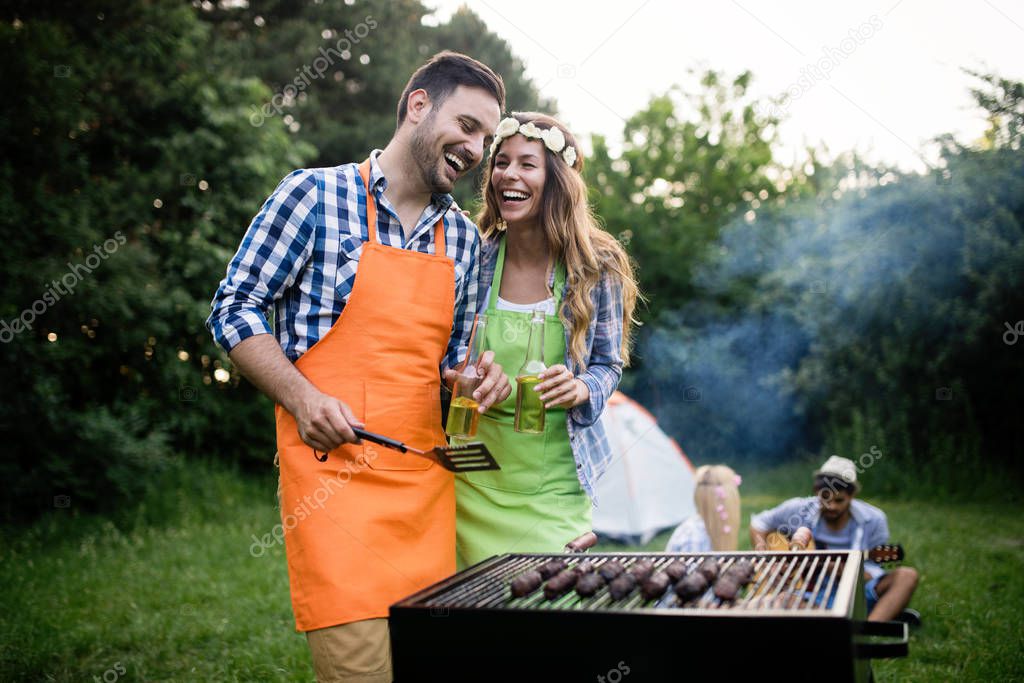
(716, 526)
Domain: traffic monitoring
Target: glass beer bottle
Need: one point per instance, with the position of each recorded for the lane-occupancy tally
(529, 407)
(463, 413)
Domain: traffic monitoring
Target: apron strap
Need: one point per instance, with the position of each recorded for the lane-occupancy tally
(440, 248)
(492, 302)
(559, 285)
(371, 202)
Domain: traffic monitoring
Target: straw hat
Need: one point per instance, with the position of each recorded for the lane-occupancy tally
(842, 468)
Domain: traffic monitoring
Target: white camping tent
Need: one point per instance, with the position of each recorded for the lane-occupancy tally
(649, 485)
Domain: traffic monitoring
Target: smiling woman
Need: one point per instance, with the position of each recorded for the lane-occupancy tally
(546, 261)
(535, 180)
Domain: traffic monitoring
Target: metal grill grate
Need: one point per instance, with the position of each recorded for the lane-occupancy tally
(791, 583)
(468, 622)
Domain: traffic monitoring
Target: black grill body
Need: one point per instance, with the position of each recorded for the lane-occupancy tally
(801, 619)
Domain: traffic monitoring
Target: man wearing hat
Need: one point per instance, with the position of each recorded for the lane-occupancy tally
(839, 520)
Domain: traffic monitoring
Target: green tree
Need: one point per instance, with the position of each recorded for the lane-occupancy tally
(141, 138)
(1003, 100)
(690, 163)
(337, 70)
(127, 165)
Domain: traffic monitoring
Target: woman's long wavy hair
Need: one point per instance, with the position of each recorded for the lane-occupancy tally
(574, 237)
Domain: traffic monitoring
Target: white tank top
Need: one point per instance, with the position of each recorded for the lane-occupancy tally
(548, 305)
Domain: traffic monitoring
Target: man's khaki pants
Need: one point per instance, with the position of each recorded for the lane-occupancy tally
(358, 652)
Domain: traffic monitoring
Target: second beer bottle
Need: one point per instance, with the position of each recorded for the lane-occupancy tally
(529, 407)
(463, 413)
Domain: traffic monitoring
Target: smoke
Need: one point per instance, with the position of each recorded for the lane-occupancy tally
(820, 307)
(714, 383)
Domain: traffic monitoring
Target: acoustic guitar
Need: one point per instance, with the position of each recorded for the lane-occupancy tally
(882, 554)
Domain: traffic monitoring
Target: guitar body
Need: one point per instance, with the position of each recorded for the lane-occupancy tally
(777, 541)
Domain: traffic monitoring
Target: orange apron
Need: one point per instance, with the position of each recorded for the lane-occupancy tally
(369, 525)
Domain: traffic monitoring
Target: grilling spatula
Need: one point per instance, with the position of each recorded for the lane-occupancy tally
(472, 457)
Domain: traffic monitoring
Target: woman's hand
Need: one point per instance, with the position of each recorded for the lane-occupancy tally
(560, 389)
(495, 387)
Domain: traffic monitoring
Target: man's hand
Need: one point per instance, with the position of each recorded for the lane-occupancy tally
(324, 422)
(448, 377)
(560, 389)
(495, 387)
(758, 539)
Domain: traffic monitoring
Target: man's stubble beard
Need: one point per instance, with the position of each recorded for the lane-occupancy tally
(421, 149)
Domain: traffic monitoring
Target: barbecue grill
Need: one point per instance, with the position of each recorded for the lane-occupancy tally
(802, 617)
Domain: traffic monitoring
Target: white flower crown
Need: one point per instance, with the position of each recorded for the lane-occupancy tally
(553, 138)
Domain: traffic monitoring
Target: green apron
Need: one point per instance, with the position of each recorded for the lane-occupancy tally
(534, 503)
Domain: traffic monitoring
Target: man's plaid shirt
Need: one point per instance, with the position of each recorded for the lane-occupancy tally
(300, 257)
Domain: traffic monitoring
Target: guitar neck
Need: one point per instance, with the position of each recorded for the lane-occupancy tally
(884, 553)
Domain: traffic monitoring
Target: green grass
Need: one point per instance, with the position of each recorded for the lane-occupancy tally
(170, 591)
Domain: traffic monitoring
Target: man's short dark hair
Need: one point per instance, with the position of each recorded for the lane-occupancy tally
(834, 484)
(444, 72)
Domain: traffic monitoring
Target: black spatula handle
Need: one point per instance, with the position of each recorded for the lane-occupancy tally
(380, 439)
(369, 436)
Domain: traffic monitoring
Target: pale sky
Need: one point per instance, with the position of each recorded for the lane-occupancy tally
(890, 87)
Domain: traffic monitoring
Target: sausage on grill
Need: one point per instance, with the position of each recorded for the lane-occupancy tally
(524, 584)
(561, 584)
(676, 570)
(642, 569)
(588, 584)
(550, 568)
(691, 586)
(609, 570)
(742, 569)
(622, 586)
(654, 585)
(709, 568)
(727, 586)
